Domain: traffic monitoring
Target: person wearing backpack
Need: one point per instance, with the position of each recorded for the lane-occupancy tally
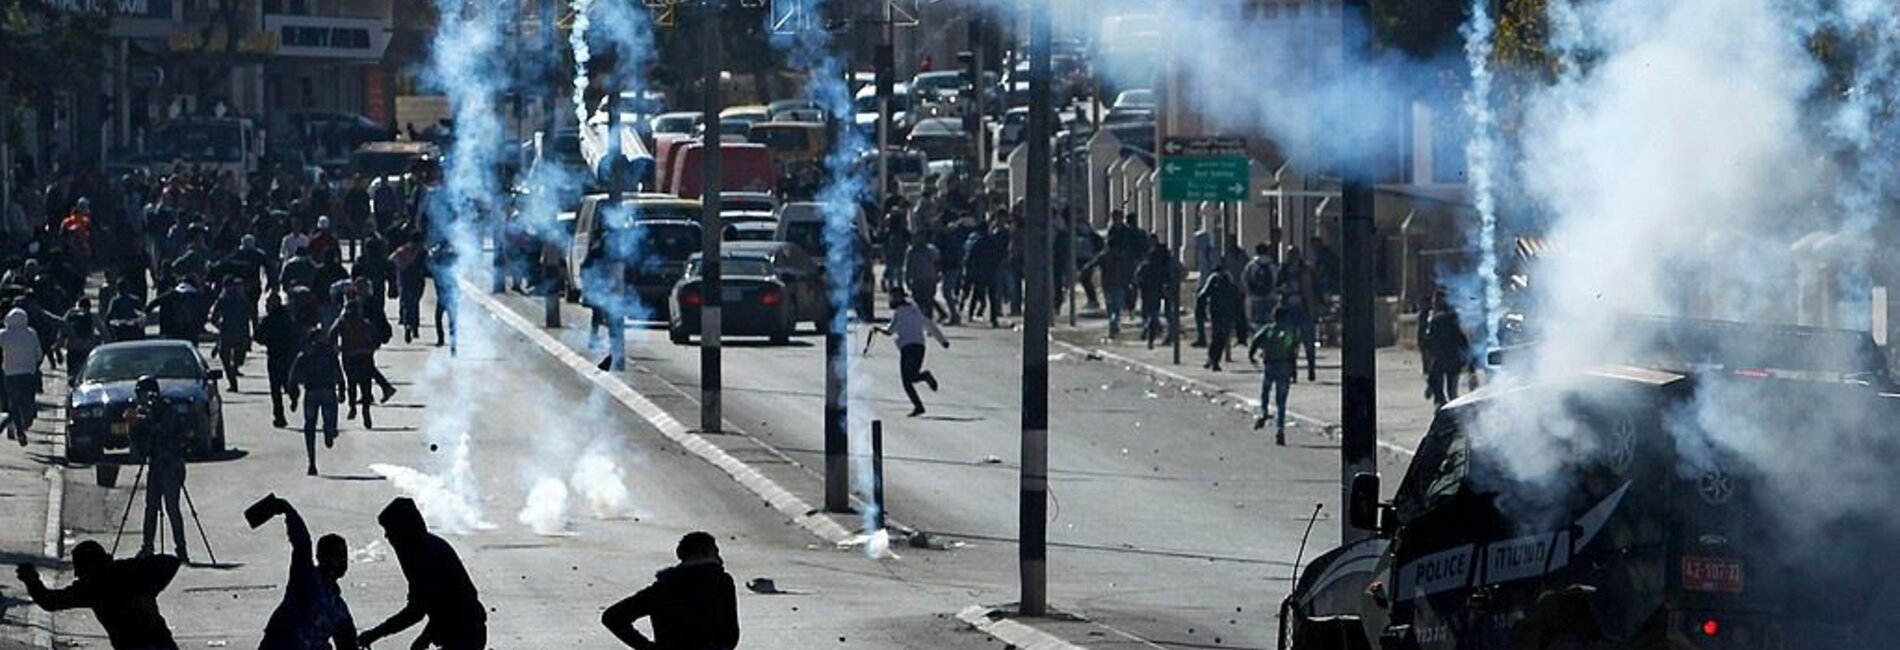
(1257, 278)
(1279, 339)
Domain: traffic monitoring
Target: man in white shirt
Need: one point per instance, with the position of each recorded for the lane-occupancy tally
(907, 329)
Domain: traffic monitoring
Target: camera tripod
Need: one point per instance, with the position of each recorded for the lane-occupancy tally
(160, 533)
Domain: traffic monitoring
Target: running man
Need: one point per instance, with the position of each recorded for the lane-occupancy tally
(908, 328)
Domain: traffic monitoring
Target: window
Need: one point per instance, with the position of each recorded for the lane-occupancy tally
(1438, 471)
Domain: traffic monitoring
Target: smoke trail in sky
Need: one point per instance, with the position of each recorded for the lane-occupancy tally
(583, 54)
(1481, 152)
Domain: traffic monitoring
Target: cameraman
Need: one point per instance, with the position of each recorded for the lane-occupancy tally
(158, 433)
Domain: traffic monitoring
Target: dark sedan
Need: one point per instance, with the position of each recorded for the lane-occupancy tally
(768, 288)
(95, 413)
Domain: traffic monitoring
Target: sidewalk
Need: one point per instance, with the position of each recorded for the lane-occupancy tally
(27, 477)
(1403, 412)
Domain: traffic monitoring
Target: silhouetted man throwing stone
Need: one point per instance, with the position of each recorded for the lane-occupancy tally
(312, 614)
(691, 603)
(439, 587)
(122, 594)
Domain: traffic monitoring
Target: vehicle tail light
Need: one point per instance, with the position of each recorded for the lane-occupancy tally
(770, 298)
(1711, 627)
(691, 298)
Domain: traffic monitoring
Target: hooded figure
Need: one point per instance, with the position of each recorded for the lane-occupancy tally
(20, 361)
(691, 603)
(122, 594)
(439, 587)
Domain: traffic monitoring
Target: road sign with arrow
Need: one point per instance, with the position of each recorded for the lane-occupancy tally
(1204, 169)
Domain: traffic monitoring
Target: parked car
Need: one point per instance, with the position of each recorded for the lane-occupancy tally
(593, 225)
(750, 230)
(747, 202)
(96, 409)
(767, 289)
(866, 104)
(685, 122)
(940, 138)
(804, 223)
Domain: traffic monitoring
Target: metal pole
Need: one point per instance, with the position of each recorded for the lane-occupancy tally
(877, 473)
(616, 181)
(837, 431)
(551, 302)
(709, 226)
(1033, 550)
(1359, 431)
(886, 78)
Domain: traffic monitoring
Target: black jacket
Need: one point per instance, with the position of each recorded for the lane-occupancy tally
(124, 597)
(439, 587)
(316, 368)
(692, 605)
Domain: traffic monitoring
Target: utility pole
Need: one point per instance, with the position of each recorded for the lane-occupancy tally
(1359, 432)
(709, 227)
(886, 64)
(551, 302)
(1033, 548)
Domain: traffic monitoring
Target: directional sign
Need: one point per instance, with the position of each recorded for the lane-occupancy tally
(1205, 169)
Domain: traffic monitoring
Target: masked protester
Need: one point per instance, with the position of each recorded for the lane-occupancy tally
(439, 587)
(691, 603)
(122, 594)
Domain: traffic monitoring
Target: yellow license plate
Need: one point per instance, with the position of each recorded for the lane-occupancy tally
(121, 428)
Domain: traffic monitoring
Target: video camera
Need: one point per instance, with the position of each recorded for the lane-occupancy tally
(145, 408)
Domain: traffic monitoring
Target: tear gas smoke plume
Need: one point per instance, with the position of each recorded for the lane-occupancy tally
(466, 66)
(1684, 151)
(1481, 153)
(845, 183)
(449, 499)
(625, 29)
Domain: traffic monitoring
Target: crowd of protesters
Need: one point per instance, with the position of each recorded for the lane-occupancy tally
(184, 252)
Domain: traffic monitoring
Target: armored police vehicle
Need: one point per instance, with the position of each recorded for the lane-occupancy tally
(1654, 501)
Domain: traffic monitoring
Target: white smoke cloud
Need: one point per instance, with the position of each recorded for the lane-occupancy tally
(449, 499)
(546, 508)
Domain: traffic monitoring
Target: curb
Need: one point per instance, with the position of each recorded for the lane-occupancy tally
(990, 621)
(1201, 388)
(801, 513)
(52, 546)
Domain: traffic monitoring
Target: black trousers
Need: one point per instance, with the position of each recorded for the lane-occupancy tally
(911, 366)
(163, 483)
(279, 370)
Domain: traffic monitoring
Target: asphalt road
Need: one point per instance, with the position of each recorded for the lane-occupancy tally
(528, 419)
(1171, 519)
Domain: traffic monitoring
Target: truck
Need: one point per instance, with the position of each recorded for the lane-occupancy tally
(1641, 533)
(222, 144)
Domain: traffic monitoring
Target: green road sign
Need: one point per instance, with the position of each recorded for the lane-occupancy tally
(1204, 168)
(1191, 178)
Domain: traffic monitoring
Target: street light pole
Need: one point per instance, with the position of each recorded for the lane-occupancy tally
(710, 281)
(551, 300)
(1033, 549)
(1359, 430)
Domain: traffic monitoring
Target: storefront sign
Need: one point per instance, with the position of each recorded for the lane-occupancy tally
(328, 37)
(160, 9)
